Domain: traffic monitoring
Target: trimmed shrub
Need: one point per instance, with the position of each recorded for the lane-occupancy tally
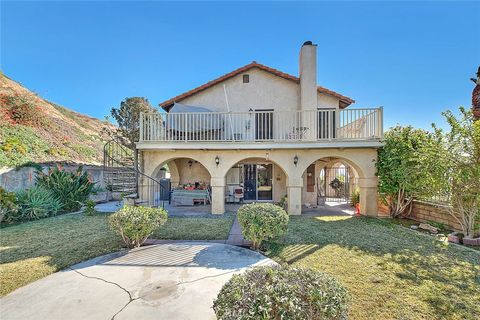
(281, 293)
(72, 188)
(136, 224)
(36, 203)
(262, 221)
(8, 206)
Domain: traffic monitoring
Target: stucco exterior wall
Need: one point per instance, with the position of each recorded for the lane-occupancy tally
(264, 91)
(191, 174)
(361, 159)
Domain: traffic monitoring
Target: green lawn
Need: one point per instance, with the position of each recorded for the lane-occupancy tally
(33, 250)
(390, 272)
(211, 228)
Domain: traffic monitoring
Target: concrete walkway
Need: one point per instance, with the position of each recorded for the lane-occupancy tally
(235, 237)
(166, 281)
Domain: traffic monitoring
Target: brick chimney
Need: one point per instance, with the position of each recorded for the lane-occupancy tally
(308, 76)
(476, 97)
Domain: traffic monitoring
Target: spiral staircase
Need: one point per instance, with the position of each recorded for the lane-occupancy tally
(122, 175)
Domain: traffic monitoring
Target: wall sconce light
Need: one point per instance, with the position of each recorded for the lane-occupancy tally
(217, 160)
(295, 160)
(190, 163)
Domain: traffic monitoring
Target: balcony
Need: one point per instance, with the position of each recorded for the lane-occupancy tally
(262, 129)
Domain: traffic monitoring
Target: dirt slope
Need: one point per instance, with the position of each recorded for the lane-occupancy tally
(34, 129)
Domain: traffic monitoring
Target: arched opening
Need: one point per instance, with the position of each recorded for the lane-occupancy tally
(255, 179)
(328, 185)
(187, 179)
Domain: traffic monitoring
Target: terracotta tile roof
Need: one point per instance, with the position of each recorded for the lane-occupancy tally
(344, 101)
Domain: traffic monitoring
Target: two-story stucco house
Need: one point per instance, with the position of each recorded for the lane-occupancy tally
(265, 135)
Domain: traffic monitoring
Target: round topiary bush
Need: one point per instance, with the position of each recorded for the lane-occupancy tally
(281, 293)
(262, 221)
(136, 224)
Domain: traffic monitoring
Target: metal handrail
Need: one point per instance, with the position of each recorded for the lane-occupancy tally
(150, 190)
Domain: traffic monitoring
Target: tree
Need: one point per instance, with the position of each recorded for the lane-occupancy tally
(462, 156)
(128, 119)
(407, 167)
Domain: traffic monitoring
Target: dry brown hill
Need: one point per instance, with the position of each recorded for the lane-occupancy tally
(33, 129)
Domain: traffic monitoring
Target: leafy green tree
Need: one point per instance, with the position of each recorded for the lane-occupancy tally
(407, 167)
(462, 158)
(128, 119)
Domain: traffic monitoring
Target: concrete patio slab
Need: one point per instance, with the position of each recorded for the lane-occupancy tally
(164, 281)
(111, 206)
(329, 209)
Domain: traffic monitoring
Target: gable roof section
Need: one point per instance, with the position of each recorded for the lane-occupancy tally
(166, 105)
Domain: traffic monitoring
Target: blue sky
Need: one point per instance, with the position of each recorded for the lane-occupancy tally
(413, 58)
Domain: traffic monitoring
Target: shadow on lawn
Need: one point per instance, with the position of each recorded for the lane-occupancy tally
(412, 258)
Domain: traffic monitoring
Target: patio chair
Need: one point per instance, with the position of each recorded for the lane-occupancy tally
(238, 194)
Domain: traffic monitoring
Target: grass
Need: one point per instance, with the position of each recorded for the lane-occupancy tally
(183, 228)
(390, 272)
(33, 250)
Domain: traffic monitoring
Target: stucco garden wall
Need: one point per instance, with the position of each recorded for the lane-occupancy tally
(12, 179)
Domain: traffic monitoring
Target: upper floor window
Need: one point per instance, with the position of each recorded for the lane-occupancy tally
(246, 78)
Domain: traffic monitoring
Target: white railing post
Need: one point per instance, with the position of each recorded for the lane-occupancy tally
(380, 122)
(337, 123)
(185, 127)
(141, 137)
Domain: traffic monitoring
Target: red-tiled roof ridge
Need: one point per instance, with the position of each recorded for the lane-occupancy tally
(168, 103)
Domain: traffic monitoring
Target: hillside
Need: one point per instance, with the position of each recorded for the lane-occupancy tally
(33, 129)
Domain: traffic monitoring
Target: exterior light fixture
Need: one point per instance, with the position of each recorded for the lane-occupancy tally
(295, 160)
(217, 160)
(190, 163)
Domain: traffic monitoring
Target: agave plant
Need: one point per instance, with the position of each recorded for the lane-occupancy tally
(71, 188)
(36, 203)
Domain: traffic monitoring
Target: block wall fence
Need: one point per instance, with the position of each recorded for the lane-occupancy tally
(425, 211)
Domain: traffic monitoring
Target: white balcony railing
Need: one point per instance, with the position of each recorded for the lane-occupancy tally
(267, 126)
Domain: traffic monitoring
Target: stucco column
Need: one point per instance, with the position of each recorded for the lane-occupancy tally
(218, 194)
(368, 196)
(294, 195)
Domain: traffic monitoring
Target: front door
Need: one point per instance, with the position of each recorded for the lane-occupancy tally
(250, 182)
(258, 182)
